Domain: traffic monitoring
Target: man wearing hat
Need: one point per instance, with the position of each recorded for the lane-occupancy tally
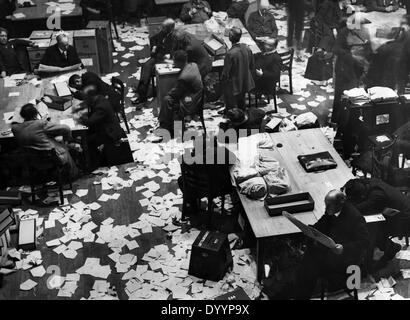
(249, 120)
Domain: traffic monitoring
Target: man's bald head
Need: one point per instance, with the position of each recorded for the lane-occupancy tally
(62, 41)
(235, 35)
(168, 25)
(334, 201)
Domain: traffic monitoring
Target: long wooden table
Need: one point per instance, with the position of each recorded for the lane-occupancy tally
(27, 92)
(317, 184)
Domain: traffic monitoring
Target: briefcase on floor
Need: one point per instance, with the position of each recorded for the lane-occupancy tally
(211, 256)
(237, 294)
(10, 198)
(117, 153)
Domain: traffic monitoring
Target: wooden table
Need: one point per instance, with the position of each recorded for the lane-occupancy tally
(28, 92)
(317, 184)
(35, 18)
(162, 2)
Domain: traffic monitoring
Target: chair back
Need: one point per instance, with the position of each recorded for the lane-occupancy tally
(119, 87)
(287, 60)
(196, 180)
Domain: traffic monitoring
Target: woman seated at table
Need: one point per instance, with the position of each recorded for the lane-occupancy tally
(104, 129)
(41, 134)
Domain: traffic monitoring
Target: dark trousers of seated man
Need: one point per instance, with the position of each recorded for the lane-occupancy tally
(169, 108)
(147, 72)
(317, 262)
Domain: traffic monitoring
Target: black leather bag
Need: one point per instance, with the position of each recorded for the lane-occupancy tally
(319, 67)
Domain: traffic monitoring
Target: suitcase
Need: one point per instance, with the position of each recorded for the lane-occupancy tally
(211, 256)
(319, 67)
(10, 198)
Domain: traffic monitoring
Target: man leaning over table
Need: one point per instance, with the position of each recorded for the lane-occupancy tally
(61, 57)
(9, 62)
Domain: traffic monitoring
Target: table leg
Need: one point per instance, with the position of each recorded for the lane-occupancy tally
(259, 260)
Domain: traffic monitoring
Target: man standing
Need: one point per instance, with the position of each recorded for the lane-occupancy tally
(237, 74)
(296, 16)
(186, 94)
(9, 63)
(196, 11)
(61, 57)
(261, 23)
(346, 226)
(161, 45)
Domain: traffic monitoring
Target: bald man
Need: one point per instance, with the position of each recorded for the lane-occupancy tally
(347, 227)
(161, 46)
(61, 57)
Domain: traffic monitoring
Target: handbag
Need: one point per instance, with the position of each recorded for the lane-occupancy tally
(319, 67)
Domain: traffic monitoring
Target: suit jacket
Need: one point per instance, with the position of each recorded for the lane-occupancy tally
(188, 89)
(262, 26)
(164, 43)
(348, 229)
(200, 16)
(271, 65)
(380, 195)
(8, 60)
(53, 57)
(198, 54)
(103, 124)
(40, 135)
(238, 69)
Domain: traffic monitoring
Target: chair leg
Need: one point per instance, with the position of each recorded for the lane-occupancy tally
(355, 294)
(203, 121)
(124, 117)
(223, 205)
(322, 291)
(210, 203)
(290, 82)
(275, 101)
(115, 29)
(407, 241)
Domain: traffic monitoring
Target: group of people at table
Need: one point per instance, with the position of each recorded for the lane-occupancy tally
(242, 72)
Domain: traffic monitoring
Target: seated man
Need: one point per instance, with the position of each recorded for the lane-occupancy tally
(195, 50)
(9, 63)
(237, 74)
(40, 134)
(91, 79)
(382, 5)
(186, 94)
(96, 9)
(103, 125)
(261, 23)
(373, 196)
(347, 227)
(161, 46)
(60, 57)
(251, 121)
(196, 11)
(268, 67)
(237, 10)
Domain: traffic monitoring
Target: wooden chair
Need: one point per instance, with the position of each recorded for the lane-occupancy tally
(119, 87)
(199, 113)
(287, 62)
(204, 181)
(341, 286)
(259, 93)
(43, 166)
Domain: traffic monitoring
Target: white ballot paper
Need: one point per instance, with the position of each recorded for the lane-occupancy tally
(311, 232)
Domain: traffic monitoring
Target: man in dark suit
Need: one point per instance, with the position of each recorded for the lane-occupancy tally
(9, 62)
(346, 226)
(237, 74)
(268, 67)
(186, 94)
(296, 17)
(196, 52)
(261, 23)
(237, 9)
(103, 125)
(196, 11)
(61, 57)
(373, 196)
(161, 46)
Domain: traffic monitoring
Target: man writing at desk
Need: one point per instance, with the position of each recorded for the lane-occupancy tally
(60, 57)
